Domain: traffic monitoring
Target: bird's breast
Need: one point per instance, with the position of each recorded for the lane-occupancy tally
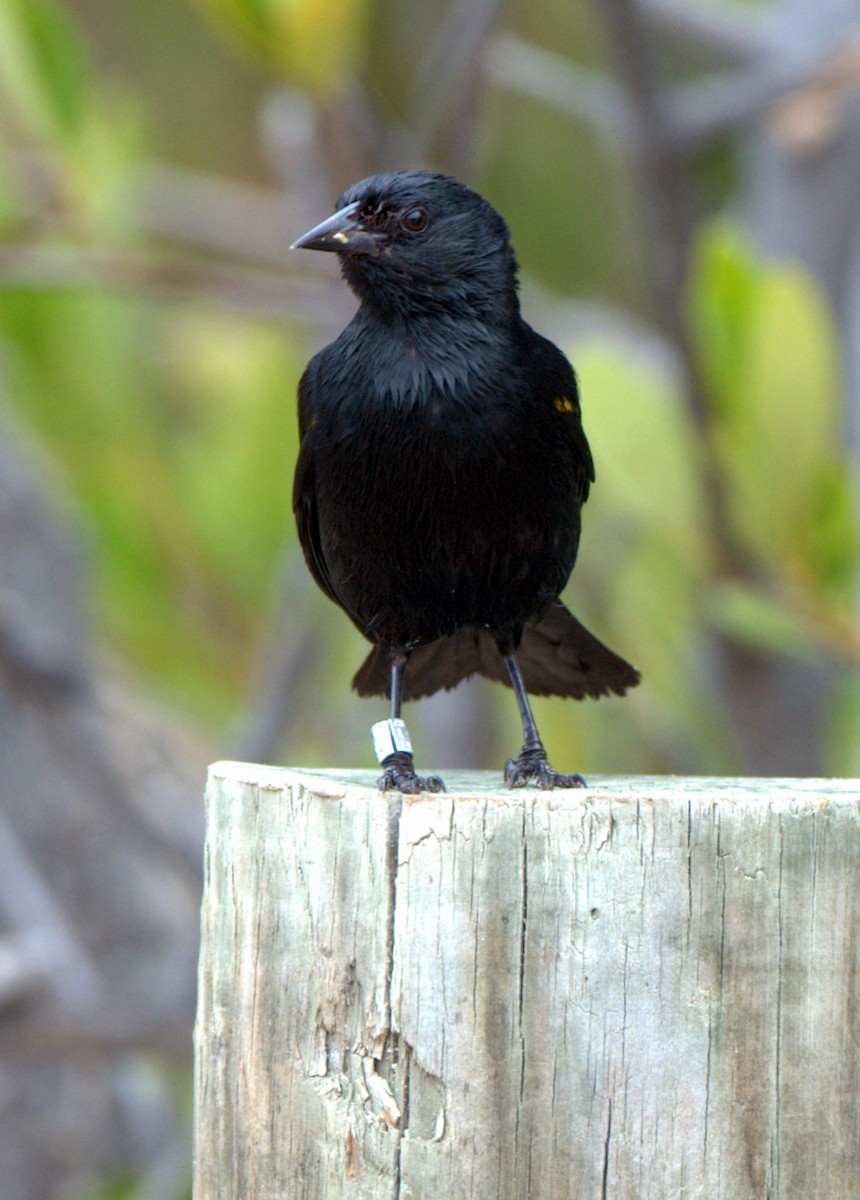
(440, 491)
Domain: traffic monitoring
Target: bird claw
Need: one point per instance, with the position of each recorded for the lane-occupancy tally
(399, 776)
(532, 765)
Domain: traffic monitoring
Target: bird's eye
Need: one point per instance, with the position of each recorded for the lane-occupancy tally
(414, 220)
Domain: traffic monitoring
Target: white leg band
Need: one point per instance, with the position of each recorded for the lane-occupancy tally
(390, 737)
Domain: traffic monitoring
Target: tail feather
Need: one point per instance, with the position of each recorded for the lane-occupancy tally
(557, 657)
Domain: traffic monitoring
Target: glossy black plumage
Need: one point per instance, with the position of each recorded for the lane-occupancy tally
(443, 462)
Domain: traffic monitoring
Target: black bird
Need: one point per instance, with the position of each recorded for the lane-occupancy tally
(443, 466)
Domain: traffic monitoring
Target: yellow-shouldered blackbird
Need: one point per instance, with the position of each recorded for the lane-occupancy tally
(442, 467)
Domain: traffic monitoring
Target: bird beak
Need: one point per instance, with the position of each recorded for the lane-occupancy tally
(343, 233)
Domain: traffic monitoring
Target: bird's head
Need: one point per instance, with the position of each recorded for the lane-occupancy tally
(414, 243)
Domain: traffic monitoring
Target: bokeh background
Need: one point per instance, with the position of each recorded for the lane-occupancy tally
(682, 181)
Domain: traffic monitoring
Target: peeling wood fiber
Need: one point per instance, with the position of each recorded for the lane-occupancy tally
(643, 991)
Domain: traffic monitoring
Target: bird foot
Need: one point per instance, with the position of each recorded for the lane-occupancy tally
(531, 766)
(399, 776)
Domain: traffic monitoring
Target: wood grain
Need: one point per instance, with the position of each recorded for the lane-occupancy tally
(643, 991)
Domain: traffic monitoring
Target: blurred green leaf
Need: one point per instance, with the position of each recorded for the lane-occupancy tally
(101, 178)
(754, 617)
(645, 449)
(174, 423)
(654, 600)
(233, 457)
(183, 466)
(121, 1187)
(128, 1186)
(317, 44)
(836, 546)
(643, 562)
(722, 291)
(769, 350)
(845, 744)
(791, 379)
(11, 208)
(44, 67)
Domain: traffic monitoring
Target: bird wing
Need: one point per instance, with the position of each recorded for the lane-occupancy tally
(305, 509)
(553, 382)
(305, 489)
(566, 403)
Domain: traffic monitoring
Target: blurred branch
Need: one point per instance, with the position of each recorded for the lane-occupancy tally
(663, 171)
(109, 1025)
(52, 946)
(692, 113)
(230, 218)
(713, 106)
(810, 116)
(710, 107)
(287, 653)
(666, 178)
(241, 223)
(84, 740)
(555, 80)
(320, 148)
(243, 289)
(290, 137)
(97, 893)
(838, 634)
(167, 1176)
(439, 121)
(771, 702)
(219, 214)
(32, 652)
(446, 88)
(730, 35)
(22, 974)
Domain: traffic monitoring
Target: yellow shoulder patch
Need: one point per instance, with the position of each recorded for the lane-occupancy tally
(564, 404)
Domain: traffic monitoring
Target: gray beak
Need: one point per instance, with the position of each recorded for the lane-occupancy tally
(342, 233)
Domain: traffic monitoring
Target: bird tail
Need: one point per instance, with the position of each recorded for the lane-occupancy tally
(557, 657)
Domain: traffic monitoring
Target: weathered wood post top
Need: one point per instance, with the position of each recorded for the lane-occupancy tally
(645, 990)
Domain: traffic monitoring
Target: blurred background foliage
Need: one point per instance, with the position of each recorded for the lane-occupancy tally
(680, 183)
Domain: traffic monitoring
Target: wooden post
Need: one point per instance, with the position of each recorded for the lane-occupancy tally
(648, 990)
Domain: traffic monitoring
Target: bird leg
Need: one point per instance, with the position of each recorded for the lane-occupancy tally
(392, 744)
(532, 762)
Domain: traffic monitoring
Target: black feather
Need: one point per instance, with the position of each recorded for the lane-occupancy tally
(443, 462)
(558, 657)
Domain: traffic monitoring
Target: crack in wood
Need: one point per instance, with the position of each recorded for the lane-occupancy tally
(395, 809)
(674, 962)
(604, 1179)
